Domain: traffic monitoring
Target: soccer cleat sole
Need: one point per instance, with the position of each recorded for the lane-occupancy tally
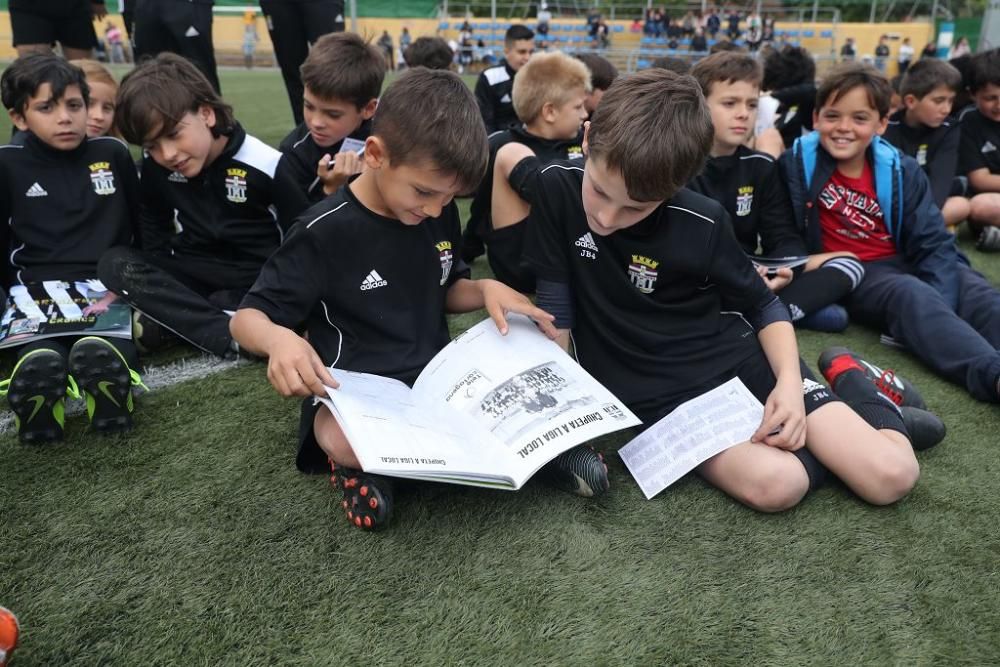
(580, 470)
(36, 395)
(103, 376)
(367, 501)
(924, 428)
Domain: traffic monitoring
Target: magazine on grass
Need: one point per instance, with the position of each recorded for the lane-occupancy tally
(56, 308)
(488, 410)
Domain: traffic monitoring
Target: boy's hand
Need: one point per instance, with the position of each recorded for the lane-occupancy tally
(100, 306)
(784, 422)
(345, 165)
(779, 279)
(500, 300)
(294, 368)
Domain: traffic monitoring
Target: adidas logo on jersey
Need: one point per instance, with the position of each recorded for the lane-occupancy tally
(36, 191)
(177, 177)
(505, 99)
(373, 281)
(587, 246)
(988, 147)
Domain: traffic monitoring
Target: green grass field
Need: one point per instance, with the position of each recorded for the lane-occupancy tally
(194, 541)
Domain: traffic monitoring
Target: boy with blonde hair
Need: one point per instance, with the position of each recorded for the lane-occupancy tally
(549, 96)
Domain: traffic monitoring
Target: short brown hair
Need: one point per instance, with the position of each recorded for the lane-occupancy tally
(432, 115)
(727, 67)
(984, 69)
(844, 78)
(343, 66)
(923, 76)
(602, 72)
(654, 127)
(547, 77)
(154, 97)
(429, 52)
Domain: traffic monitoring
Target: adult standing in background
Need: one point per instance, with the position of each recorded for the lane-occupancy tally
(294, 26)
(905, 55)
(38, 24)
(183, 27)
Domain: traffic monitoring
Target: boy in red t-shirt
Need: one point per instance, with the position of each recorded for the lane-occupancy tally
(853, 191)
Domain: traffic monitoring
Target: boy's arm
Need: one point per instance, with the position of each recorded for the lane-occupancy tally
(984, 181)
(509, 196)
(778, 235)
(156, 215)
(484, 98)
(971, 160)
(129, 179)
(466, 295)
(927, 245)
(287, 196)
(944, 166)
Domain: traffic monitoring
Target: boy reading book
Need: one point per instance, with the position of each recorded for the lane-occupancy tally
(663, 304)
(371, 271)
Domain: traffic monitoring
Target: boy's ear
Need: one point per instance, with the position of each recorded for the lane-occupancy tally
(376, 155)
(548, 112)
(910, 101)
(18, 120)
(368, 110)
(883, 123)
(207, 114)
(584, 145)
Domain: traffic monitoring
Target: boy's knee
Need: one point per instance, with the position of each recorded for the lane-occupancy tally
(985, 209)
(893, 479)
(111, 266)
(777, 489)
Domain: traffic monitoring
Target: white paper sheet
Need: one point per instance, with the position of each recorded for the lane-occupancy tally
(690, 435)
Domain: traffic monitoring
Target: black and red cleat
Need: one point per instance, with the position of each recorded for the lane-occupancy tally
(580, 470)
(834, 361)
(367, 499)
(9, 634)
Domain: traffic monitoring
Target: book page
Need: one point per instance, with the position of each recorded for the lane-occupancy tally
(690, 435)
(394, 433)
(524, 389)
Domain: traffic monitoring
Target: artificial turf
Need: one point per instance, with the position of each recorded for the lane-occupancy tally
(194, 541)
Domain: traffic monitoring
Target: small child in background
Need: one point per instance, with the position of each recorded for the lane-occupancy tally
(103, 93)
(602, 75)
(429, 52)
(250, 37)
(925, 130)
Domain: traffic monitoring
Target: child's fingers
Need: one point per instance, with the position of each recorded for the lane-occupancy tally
(498, 315)
(323, 373)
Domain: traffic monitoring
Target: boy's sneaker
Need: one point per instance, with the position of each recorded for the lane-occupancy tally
(830, 319)
(989, 239)
(367, 498)
(106, 381)
(837, 360)
(9, 633)
(579, 470)
(150, 335)
(36, 391)
(924, 428)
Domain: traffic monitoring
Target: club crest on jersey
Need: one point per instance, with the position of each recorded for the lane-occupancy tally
(446, 258)
(922, 155)
(102, 178)
(744, 200)
(236, 185)
(574, 153)
(642, 273)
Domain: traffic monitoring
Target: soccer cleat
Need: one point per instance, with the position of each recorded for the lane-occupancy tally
(106, 381)
(989, 239)
(831, 319)
(836, 360)
(367, 498)
(579, 470)
(37, 390)
(150, 335)
(924, 428)
(9, 633)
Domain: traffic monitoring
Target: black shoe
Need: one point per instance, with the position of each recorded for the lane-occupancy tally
(836, 360)
(367, 498)
(150, 335)
(580, 470)
(36, 391)
(989, 239)
(925, 428)
(106, 381)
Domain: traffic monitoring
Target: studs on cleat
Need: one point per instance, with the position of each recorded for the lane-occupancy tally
(373, 503)
(363, 491)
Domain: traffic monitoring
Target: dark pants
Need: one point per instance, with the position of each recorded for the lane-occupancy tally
(188, 296)
(294, 27)
(961, 344)
(178, 26)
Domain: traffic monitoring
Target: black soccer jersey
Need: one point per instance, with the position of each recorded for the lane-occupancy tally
(934, 148)
(370, 290)
(65, 208)
(300, 156)
(980, 146)
(493, 93)
(659, 305)
(234, 212)
(749, 186)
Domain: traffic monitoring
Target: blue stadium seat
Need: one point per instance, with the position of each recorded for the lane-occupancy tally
(617, 28)
(443, 25)
(826, 34)
(808, 33)
(642, 64)
(792, 33)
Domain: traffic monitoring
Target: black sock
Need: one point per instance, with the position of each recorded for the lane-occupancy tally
(828, 284)
(815, 470)
(862, 396)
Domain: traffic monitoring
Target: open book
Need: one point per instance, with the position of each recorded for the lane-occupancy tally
(488, 410)
(56, 308)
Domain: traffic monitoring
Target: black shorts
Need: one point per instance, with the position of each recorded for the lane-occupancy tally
(310, 457)
(71, 26)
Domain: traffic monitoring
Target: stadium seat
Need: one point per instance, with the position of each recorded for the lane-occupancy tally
(826, 34)
(443, 25)
(617, 28)
(792, 33)
(808, 33)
